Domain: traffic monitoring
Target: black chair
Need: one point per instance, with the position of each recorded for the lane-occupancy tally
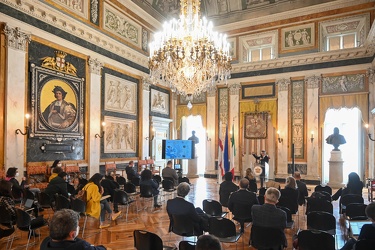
(7, 228)
(242, 214)
(322, 221)
(122, 199)
(186, 245)
(168, 187)
(365, 245)
(267, 238)
(130, 188)
(144, 240)
(120, 180)
(347, 199)
(325, 188)
(61, 202)
(24, 223)
(80, 207)
(213, 208)
(146, 195)
(319, 205)
(326, 196)
(184, 179)
(224, 229)
(157, 178)
(183, 226)
(289, 200)
(315, 239)
(289, 219)
(136, 181)
(7, 232)
(356, 211)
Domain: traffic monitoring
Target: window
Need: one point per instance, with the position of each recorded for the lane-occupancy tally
(258, 47)
(259, 54)
(344, 41)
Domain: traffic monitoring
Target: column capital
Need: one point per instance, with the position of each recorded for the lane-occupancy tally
(146, 83)
(15, 38)
(234, 88)
(95, 66)
(283, 84)
(370, 73)
(211, 91)
(312, 82)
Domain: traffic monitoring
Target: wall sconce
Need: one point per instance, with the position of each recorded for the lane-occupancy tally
(368, 134)
(102, 133)
(208, 139)
(152, 135)
(19, 131)
(312, 136)
(278, 137)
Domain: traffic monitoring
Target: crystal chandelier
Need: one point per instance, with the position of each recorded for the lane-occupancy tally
(187, 55)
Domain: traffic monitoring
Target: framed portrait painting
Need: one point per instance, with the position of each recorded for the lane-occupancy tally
(256, 125)
(56, 104)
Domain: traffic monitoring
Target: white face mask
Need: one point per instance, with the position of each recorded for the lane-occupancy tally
(17, 174)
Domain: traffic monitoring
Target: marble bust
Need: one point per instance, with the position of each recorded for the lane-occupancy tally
(336, 139)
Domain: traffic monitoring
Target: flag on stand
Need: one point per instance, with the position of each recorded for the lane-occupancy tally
(233, 151)
(226, 151)
(220, 155)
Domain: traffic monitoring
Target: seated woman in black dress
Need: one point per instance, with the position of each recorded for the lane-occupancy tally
(354, 186)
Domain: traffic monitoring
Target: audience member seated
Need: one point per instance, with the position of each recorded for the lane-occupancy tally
(208, 242)
(147, 180)
(95, 207)
(169, 172)
(302, 189)
(109, 189)
(18, 188)
(179, 206)
(289, 195)
(63, 232)
(54, 174)
(76, 186)
(354, 186)
(242, 198)
(252, 180)
(367, 231)
(57, 185)
(226, 188)
(268, 215)
(130, 172)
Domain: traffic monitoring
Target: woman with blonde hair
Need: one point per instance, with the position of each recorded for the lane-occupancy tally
(252, 181)
(289, 195)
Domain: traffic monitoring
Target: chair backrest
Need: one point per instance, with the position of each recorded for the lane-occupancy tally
(6, 217)
(320, 188)
(183, 179)
(288, 213)
(44, 199)
(144, 240)
(136, 180)
(146, 191)
(320, 220)
(130, 188)
(315, 239)
(212, 207)
(356, 211)
(121, 180)
(289, 200)
(61, 202)
(266, 238)
(78, 205)
(23, 219)
(120, 197)
(351, 198)
(326, 196)
(242, 211)
(365, 245)
(222, 227)
(182, 225)
(157, 178)
(5, 232)
(169, 179)
(319, 205)
(186, 245)
(27, 194)
(167, 184)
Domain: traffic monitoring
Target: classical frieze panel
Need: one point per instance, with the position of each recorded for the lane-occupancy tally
(79, 7)
(298, 115)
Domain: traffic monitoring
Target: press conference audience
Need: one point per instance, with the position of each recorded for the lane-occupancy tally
(250, 176)
(130, 172)
(63, 232)
(147, 180)
(226, 188)
(169, 172)
(302, 189)
(354, 186)
(57, 186)
(289, 195)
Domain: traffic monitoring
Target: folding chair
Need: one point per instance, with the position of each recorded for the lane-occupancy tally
(121, 197)
(213, 208)
(347, 199)
(323, 221)
(315, 239)
(356, 211)
(144, 240)
(224, 229)
(267, 238)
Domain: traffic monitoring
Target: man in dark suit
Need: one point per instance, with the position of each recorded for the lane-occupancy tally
(130, 172)
(302, 189)
(268, 215)
(243, 198)
(263, 158)
(179, 206)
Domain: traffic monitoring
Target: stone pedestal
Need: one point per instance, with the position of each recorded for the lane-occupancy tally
(193, 168)
(335, 170)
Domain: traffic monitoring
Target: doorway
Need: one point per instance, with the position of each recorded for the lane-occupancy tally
(194, 123)
(349, 122)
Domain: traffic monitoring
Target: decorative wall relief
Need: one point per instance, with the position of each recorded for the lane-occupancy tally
(233, 48)
(159, 102)
(302, 36)
(223, 110)
(343, 84)
(120, 135)
(120, 25)
(77, 6)
(94, 11)
(302, 168)
(298, 114)
(256, 125)
(120, 95)
(201, 98)
(144, 40)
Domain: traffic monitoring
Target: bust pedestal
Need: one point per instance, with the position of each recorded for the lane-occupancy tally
(335, 170)
(193, 168)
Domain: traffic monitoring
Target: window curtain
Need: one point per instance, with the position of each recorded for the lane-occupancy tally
(197, 109)
(344, 101)
(263, 106)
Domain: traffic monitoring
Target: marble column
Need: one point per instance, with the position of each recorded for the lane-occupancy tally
(371, 145)
(312, 103)
(283, 121)
(146, 138)
(234, 108)
(94, 121)
(211, 147)
(15, 96)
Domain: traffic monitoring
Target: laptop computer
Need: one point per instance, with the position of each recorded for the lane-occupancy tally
(28, 205)
(177, 166)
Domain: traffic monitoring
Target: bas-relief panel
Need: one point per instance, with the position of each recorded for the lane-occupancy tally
(120, 135)
(79, 7)
(120, 95)
(298, 114)
(302, 36)
(343, 84)
(94, 11)
(223, 110)
(120, 25)
(159, 102)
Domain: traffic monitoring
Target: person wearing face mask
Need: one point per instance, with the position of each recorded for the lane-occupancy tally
(63, 232)
(57, 185)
